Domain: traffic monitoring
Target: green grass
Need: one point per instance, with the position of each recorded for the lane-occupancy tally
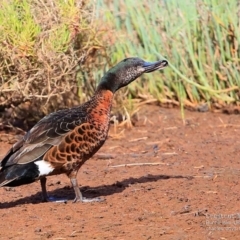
(200, 39)
(18, 28)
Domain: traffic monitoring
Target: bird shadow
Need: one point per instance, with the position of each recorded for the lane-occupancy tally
(91, 192)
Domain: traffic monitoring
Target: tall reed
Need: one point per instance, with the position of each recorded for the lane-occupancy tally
(200, 39)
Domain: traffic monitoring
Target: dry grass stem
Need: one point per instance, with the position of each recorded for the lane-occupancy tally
(138, 164)
(138, 139)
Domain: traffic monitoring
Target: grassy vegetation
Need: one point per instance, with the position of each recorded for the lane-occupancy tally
(200, 39)
(46, 48)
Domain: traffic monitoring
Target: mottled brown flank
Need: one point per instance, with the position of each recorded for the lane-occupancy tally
(84, 140)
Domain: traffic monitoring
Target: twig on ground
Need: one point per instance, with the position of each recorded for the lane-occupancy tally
(227, 125)
(138, 164)
(169, 153)
(138, 139)
(135, 155)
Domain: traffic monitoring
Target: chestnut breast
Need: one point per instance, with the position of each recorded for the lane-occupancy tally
(86, 139)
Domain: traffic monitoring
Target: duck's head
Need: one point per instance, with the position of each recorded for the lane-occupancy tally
(127, 71)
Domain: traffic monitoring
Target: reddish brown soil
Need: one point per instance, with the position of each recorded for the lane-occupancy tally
(193, 193)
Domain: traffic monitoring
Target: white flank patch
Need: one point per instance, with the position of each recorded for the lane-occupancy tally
(44, 167)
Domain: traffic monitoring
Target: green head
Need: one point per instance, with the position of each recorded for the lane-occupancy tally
(127, 71)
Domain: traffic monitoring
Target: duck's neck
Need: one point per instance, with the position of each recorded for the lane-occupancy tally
(108, 82)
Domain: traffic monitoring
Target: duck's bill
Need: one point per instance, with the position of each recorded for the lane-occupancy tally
(153, 66)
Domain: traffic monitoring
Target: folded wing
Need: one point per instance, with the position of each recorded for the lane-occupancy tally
(48, 132)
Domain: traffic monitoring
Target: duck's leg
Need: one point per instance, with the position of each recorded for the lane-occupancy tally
(45, 196)
(43, 181)
(78, 195)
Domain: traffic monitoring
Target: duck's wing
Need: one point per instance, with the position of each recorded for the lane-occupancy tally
(48, 132)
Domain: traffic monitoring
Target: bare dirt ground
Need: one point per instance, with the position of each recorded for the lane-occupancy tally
(193, 192)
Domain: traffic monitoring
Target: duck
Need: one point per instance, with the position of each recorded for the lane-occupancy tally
(61, 142)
